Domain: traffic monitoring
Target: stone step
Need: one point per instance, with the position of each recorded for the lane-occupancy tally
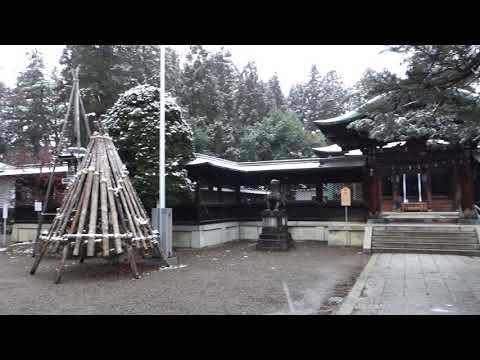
(427, 251)
(456, 240)
(425, 234)
(424, 228)
(429, 245)
(446, 236)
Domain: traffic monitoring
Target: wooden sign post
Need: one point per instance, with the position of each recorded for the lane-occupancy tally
(346, 200)
(5, 217)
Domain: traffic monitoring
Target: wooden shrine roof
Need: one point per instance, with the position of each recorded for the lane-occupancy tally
(215, 169)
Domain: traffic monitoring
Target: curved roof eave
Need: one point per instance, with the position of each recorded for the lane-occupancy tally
(350, 116)
(342, 119)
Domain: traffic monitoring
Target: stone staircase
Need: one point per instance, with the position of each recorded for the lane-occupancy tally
(430, 217)
(423, 238)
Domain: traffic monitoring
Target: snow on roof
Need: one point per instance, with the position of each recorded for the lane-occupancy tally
(351, 115)
(31, 170)
(337, 149)
(345, 118)
(393, 144)
(328, 149)
(354, 152)
(433, 141)
(293, 164)
(4, 166)
(242, 190)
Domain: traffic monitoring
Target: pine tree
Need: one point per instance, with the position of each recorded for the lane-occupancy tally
(274, 96)
(208, 93)
(31, 118)
(295, 100)
(436, 100)
(251, 104)
(4, 129)
(108, 70)
(321, 97)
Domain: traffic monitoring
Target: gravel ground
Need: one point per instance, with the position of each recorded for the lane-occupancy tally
(227, 279)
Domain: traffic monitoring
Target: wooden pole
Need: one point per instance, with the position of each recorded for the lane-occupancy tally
(84, 208)
(85, 119)
(92, 227)
(36, 262)
(77, 109)
(133, 264)
(104, 202)
(61, 265)
(111, 202)
(50, 179)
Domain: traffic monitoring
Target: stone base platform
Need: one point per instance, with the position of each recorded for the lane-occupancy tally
(275, 239)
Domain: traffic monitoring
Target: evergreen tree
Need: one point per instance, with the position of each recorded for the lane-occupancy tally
(274, 96)
(279, 136)
(108, 70)
(436, 100)
(4, 129)
(133, 123)
(251, 103)
(371, 84)
(321, 97)
(295, 100)
(31, 116)
(208, 92)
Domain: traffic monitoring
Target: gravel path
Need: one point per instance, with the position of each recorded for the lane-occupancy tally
(228, 279)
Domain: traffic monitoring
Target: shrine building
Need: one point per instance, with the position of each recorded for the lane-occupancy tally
(417, 181)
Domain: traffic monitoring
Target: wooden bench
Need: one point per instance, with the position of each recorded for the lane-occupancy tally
(414, 206)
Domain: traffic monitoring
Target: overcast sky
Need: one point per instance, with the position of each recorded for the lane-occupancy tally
(291, 62)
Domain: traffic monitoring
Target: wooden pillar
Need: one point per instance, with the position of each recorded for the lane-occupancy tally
(237, 194)
(456, 190)
(428, 186)
(197, 193)
(319, 192)
(468, 196)
(395, 193)
(374, 186)
(219, 193)
(211, 193)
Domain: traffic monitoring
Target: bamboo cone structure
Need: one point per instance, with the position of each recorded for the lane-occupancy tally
(101, 214)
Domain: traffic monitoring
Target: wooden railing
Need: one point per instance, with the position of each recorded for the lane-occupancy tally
(297, 211)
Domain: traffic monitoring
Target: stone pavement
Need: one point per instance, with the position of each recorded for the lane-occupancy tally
(416, 284)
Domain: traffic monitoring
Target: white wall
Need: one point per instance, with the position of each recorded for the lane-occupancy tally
(7, 190)
(332, 233)
(26, 232)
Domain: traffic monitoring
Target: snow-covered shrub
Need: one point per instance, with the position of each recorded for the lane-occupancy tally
(133, 123)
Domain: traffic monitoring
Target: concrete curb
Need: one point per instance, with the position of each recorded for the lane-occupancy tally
(353, 296)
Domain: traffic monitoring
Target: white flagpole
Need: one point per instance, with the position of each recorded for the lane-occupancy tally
(162, 129)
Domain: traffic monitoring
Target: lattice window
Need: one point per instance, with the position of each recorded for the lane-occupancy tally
(331, 191)
(303, 192)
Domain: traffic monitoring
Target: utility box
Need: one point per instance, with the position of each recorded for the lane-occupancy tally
(162, 222)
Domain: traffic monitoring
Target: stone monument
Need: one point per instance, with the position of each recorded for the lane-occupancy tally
(275, 235)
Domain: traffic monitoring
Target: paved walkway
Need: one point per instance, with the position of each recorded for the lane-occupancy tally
(416, 284)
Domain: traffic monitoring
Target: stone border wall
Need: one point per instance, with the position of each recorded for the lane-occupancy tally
(331, 233)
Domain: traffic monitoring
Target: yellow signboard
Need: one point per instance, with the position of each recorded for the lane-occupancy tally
(345, 196)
